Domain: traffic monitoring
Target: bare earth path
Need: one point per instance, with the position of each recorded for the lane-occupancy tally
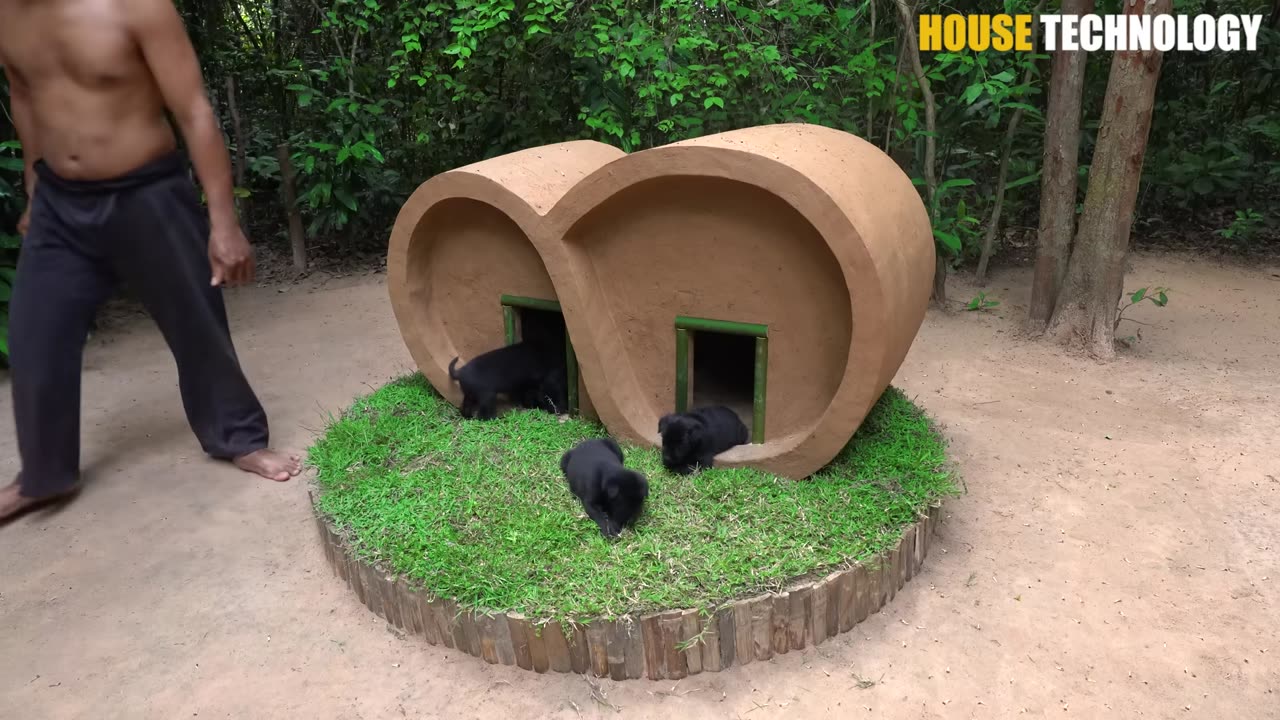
(1115, 556)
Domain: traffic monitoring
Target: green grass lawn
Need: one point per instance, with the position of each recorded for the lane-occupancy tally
(479, 511)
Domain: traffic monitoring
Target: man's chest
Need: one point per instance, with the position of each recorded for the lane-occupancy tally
(86, 42)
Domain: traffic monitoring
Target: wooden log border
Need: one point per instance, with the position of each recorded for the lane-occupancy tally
(671, 644)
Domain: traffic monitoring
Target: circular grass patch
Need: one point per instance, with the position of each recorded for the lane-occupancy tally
(480, 512)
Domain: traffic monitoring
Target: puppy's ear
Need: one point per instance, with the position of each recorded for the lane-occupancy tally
(663, 423)
(640, 482)
(612, 445)
(695, 433)
(612, 486)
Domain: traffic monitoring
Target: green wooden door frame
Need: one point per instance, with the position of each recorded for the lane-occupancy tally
(687, 326)
(510, 303)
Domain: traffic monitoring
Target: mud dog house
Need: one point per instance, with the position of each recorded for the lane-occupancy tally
(783, 270)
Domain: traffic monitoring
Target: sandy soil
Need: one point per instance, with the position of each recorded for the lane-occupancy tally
(1115, 555)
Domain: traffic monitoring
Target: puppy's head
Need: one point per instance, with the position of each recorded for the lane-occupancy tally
(681, 438)
(554, 395)
(663, 422)
(626, 487)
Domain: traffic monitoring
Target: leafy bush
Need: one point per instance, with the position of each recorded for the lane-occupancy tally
(1245, 227)
(11, 205)
(375, 97)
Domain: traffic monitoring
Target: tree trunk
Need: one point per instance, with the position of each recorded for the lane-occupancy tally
(997, 206)
(871, 105)
(1058, 181)
(297, 239)
(930, 142)
(1086, 307)
(237, 129)
(893, 102)
(277, 56)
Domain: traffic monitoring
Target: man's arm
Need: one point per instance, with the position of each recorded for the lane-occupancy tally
(158, 29)
(159, 32)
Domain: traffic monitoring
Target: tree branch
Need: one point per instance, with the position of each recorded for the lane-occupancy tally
(248, 32)
(351, 67)
(993, 225)
(930, 140)
(871, 106)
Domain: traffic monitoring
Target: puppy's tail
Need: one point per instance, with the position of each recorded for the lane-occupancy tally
(452, 374)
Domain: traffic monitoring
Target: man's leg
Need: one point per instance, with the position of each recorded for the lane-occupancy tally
(160, 246)
(59, 285)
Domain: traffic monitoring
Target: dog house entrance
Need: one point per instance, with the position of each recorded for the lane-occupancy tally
(723, 363)
(526, 318)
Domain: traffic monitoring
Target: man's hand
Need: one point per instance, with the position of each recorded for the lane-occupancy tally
(24, 222)
(230, 256)
(162, 37)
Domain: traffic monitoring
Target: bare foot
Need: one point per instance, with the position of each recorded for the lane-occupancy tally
(13, 503)
(270, 464)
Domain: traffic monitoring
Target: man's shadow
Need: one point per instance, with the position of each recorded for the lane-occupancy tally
(142, 431)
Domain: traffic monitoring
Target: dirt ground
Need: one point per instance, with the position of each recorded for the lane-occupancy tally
(1115, 554)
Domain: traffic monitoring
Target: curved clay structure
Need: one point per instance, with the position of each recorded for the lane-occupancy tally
(811, 239)
(663, 645)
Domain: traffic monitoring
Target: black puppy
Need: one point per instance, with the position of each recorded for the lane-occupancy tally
(693, 439)
(612, 495)
(513, 370)
(550, 395)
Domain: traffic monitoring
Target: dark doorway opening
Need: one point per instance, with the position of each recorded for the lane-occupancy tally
(723, 362)
(542, 321)
(724, 372)
(546, 326)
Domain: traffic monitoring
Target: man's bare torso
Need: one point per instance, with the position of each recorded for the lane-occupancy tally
(98, 112)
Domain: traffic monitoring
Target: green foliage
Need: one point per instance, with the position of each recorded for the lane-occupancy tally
(480, 511)
(953, 227)
(1215, 135)
(344, 172)
(1245, 227)
(1157, 296)
(981, 303)
(374, 97)
(12, 203)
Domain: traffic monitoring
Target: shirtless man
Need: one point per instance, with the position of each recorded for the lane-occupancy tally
(111, 200)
